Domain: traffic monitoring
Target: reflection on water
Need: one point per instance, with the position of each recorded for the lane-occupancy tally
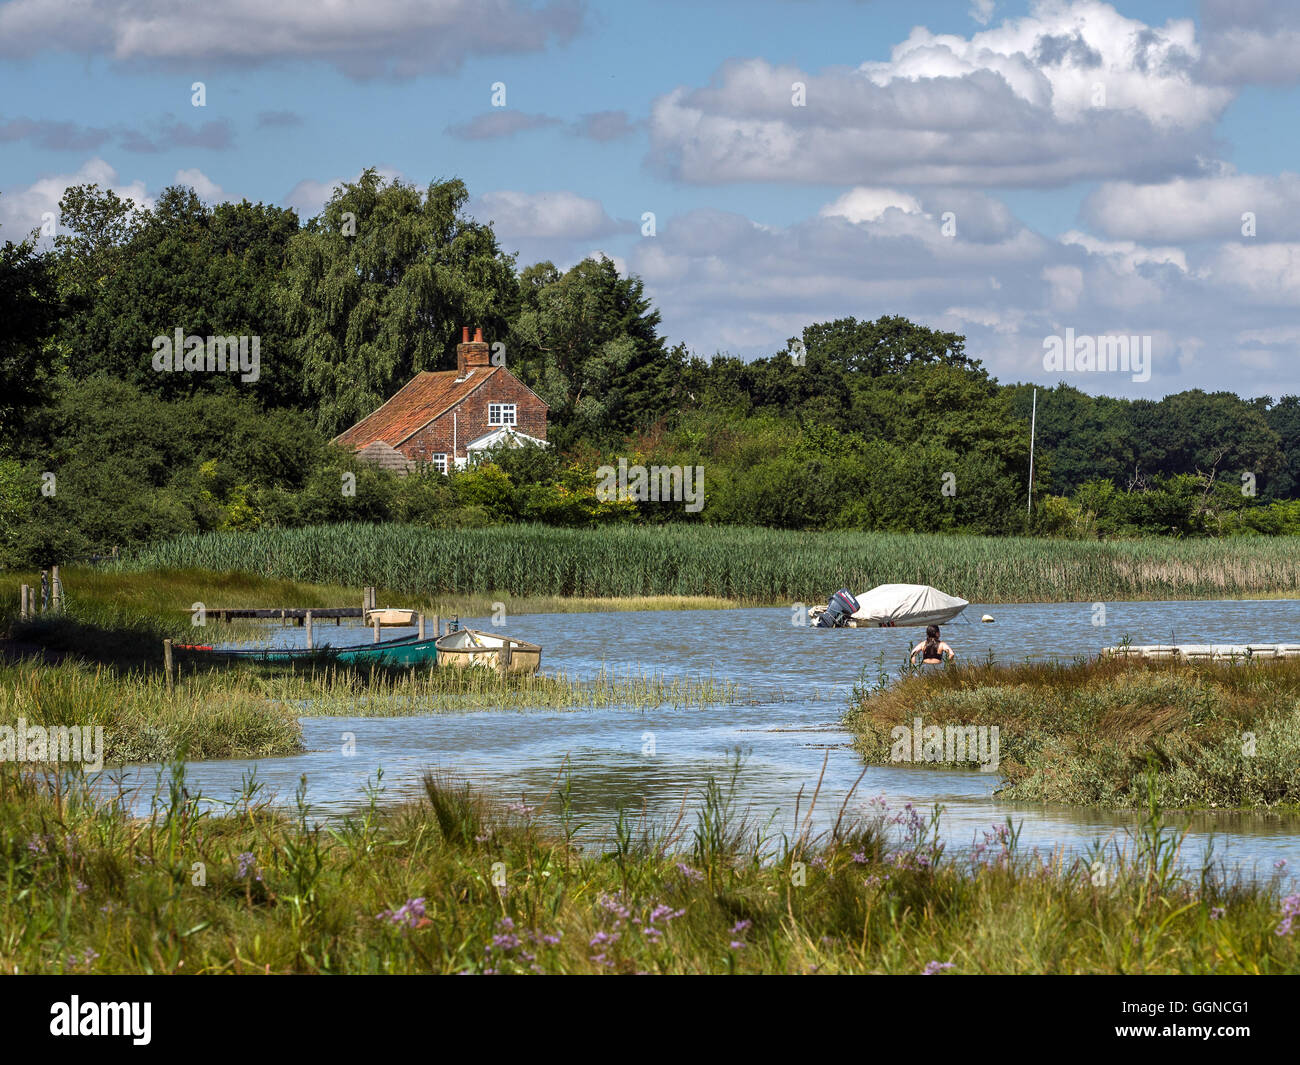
(798, 681)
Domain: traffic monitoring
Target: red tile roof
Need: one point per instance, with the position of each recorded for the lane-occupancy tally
(419, 402)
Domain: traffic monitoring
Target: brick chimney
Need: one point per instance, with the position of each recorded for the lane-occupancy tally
(471, 353)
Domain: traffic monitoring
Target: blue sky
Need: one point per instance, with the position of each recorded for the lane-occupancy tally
(1118, 214)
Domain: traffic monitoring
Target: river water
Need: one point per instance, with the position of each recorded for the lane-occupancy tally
(796, 684)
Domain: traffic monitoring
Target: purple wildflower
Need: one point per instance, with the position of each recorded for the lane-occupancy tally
(613, 905)
(1290, 911)
(505, 939)
(935, 967)
(410, 913)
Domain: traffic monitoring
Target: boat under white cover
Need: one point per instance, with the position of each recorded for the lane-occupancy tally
(907, 604)
(889, 605)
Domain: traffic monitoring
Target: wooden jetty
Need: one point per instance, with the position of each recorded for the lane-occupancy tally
(1206, 652)
(299, 614)
(285, 613)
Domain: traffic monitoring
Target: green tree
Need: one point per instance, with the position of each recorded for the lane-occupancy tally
(142, 274)
(28, 313)
(1283, 418)
(888, 345)
(587, 341)
(378, 287)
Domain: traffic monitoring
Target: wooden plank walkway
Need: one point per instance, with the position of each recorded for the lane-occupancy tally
(1207, 651)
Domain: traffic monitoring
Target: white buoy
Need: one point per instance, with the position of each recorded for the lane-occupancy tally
(987, 617)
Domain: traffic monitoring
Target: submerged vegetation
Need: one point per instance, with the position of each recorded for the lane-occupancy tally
(1088, 732)
(746, 564)
(457, 884)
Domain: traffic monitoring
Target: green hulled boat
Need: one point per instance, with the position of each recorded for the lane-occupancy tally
(404, 651)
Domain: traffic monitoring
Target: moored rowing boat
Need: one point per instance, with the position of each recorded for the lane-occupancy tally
(404, 651)
(464, 648)
(390, 615)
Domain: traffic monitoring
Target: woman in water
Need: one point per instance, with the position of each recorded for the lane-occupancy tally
(932, 649)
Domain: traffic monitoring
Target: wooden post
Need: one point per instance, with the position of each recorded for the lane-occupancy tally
(56, 590)
(306, 621)
(376, 624)
(437, 630)
(421, 618)
(507, 655)
(167, 662)
(22, 602)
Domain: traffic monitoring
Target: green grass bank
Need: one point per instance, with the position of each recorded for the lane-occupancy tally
(1088, 733)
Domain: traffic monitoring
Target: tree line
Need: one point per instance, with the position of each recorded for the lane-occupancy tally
(872, 424)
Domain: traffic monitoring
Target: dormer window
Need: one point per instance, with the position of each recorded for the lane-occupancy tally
(501, 414)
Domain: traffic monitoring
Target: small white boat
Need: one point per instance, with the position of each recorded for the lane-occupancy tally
(892, 605)
(464, 648)
(390, 616)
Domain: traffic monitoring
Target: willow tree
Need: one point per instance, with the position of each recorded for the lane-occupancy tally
(378, 286)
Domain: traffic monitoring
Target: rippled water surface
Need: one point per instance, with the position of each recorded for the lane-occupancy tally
(796, 682)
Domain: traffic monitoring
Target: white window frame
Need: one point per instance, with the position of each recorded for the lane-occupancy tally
(502, 409)
(439, 462)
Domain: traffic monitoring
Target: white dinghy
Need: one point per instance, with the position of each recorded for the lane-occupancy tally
(465, 648)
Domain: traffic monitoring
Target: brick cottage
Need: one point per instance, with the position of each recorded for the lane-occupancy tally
(442, 419)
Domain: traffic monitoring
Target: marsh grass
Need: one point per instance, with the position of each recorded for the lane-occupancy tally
(391, 693)
(457, 883)
(1087, 732)
(751, 565)
(144, 721)
(254, 711)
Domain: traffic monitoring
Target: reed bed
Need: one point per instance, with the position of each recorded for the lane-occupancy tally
(742, 564)
(456, 883)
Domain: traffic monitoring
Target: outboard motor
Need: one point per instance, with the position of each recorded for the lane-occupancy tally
(838, 611)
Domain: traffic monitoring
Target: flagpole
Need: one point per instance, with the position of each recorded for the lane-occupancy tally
(1033, 427)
